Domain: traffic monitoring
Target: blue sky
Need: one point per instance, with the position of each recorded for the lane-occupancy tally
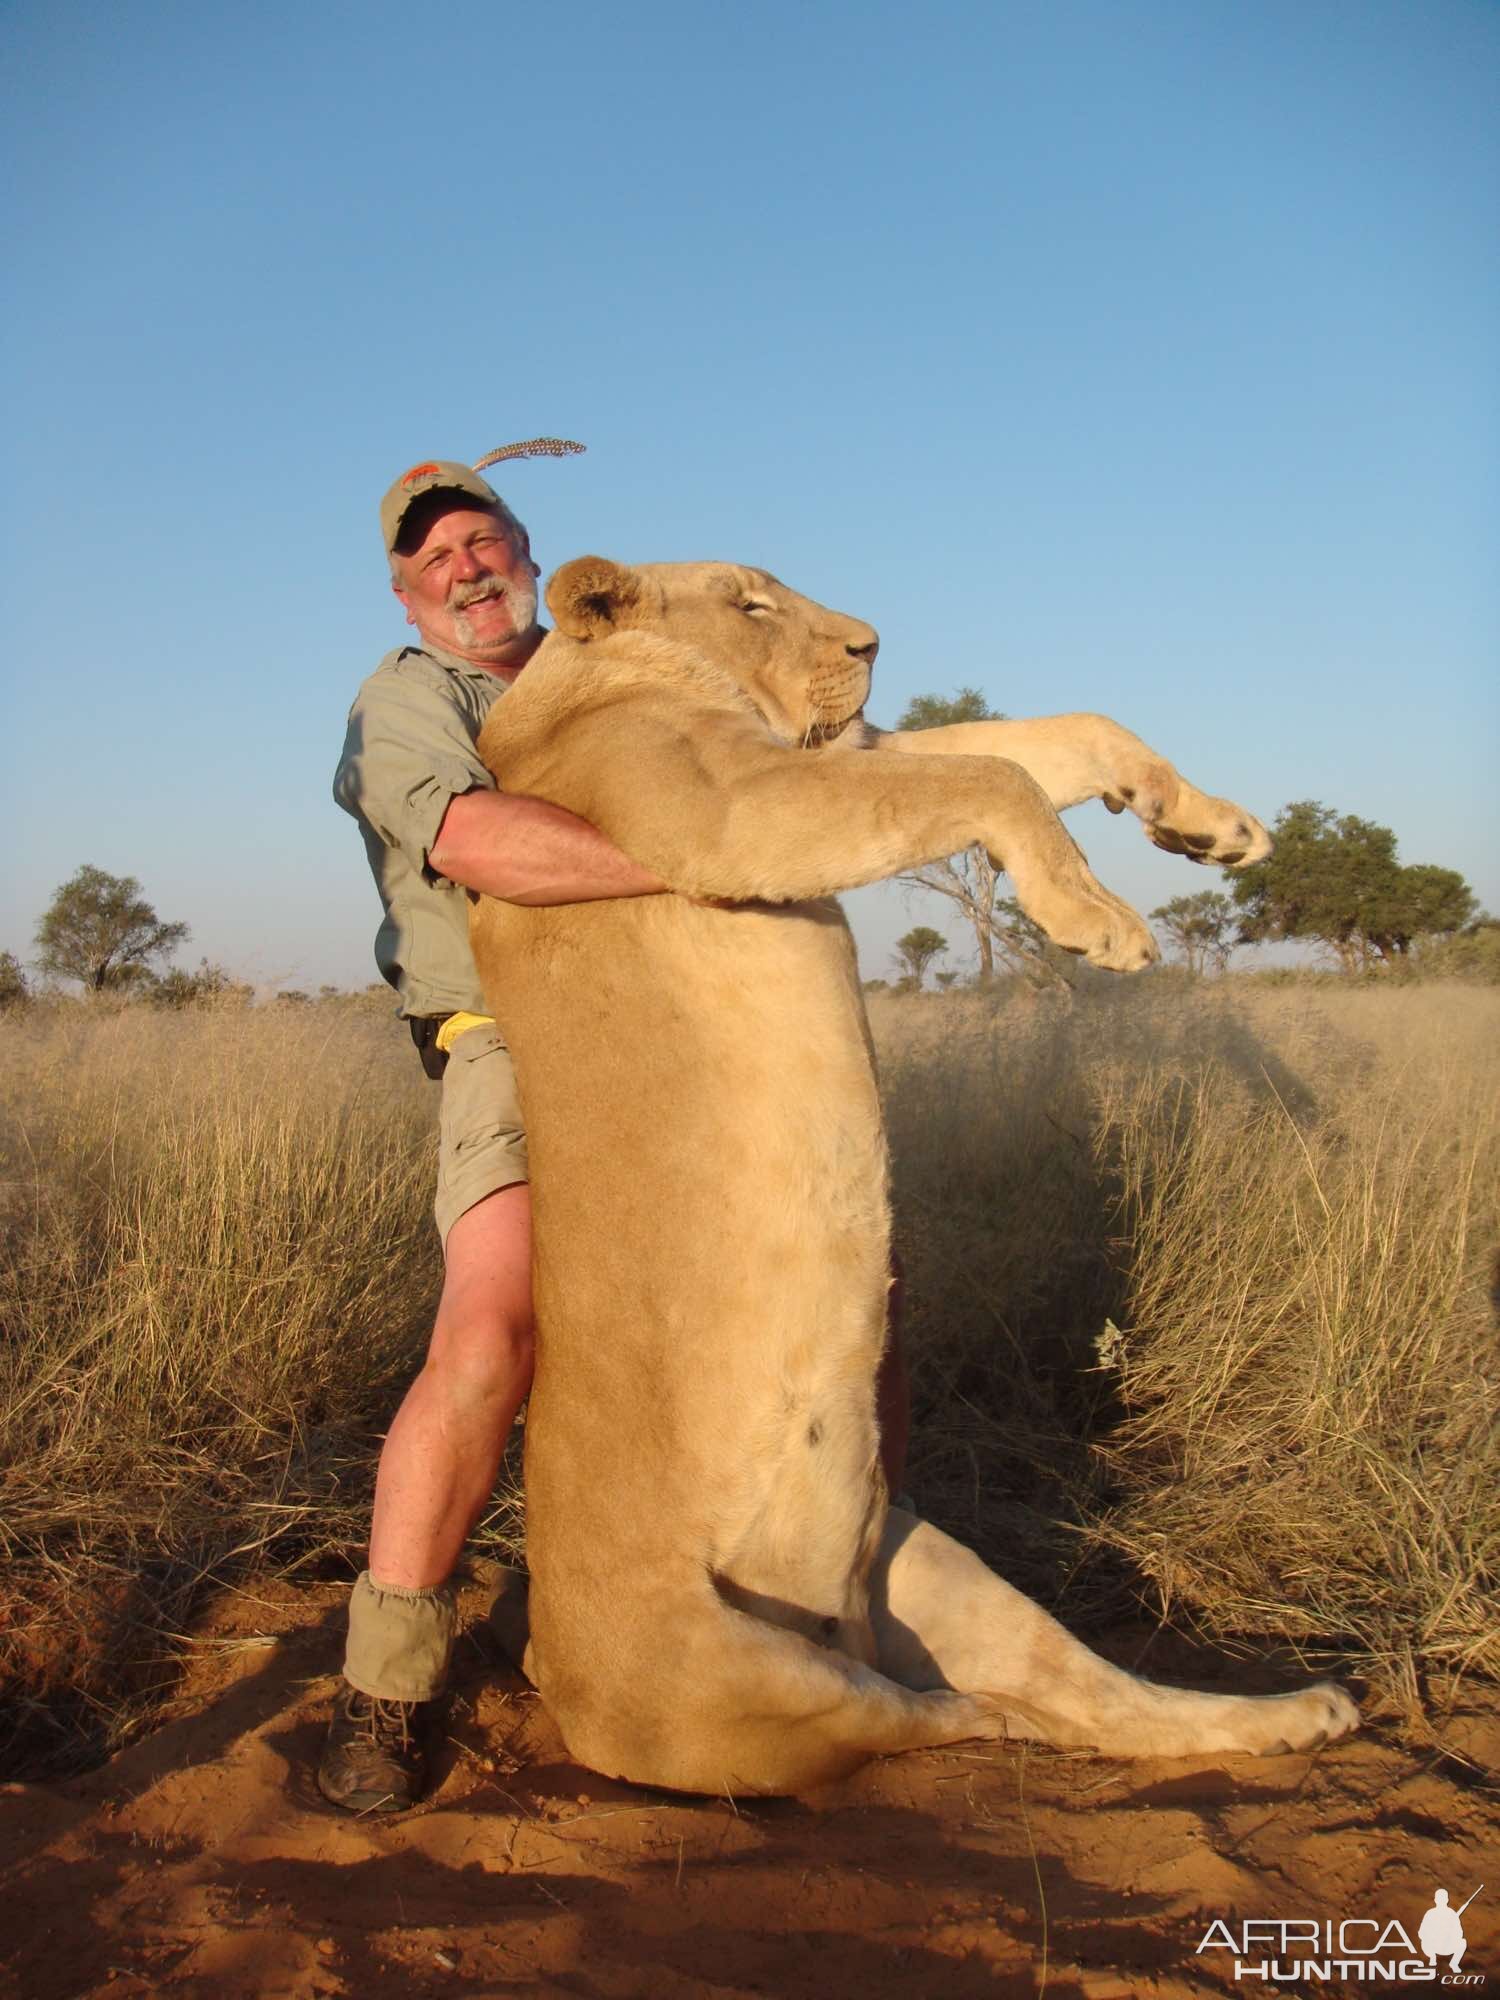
(1137, 355)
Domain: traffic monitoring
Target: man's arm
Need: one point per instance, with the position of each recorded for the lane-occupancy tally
(524, 850)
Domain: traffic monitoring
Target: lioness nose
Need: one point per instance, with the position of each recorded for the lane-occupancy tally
(867, 649)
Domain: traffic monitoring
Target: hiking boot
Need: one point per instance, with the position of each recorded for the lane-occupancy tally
(374, 1759)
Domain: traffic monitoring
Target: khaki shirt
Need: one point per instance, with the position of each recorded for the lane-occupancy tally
(408, 751)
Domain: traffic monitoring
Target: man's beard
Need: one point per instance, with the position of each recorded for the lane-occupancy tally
(521, 596)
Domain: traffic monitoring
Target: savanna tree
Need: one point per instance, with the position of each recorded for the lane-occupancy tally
(916, 951)
(99, 929)
(1337, 881)
(1201, 927)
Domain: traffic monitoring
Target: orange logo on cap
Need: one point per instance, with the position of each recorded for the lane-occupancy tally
(419, 472)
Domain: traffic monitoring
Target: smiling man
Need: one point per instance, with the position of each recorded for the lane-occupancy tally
(434, 826)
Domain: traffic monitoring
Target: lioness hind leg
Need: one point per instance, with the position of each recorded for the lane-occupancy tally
(943, 1619)
(803, 1716)
(777, 1715)
(509, 1621)
(743, 1706)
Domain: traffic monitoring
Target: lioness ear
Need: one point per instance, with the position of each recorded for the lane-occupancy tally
(592, 596)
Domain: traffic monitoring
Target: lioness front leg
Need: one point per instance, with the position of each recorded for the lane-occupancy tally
(1075, 909)
(719, 809)
(944, 1620)
(1078, 757)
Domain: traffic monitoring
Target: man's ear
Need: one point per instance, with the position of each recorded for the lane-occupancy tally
(404, 600)
(591, 597)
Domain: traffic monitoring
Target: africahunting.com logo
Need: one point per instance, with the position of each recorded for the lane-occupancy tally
(1291, 1951)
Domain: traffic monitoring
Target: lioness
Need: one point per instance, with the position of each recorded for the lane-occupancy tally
(721, 1597)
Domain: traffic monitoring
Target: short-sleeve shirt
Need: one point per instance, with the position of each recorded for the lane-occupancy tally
(409, 750)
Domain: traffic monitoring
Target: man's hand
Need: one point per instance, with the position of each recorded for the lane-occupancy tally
(524, 850)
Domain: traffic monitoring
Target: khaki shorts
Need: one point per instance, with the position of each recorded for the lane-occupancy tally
(481, 1142)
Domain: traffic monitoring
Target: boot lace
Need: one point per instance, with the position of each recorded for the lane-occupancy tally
(388, 1724)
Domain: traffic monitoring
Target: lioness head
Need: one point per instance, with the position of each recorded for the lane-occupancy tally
(805, 667)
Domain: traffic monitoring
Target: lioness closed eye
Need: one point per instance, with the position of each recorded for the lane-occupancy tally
(721, 1595)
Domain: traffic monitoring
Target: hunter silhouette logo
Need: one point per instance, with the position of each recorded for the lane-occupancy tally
(1441, 1931)
(1293, 1951)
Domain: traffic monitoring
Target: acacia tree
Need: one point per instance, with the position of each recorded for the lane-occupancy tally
(1337, 881)
(1201, 927)
(100, 929)
(968, 879)
(916, 951)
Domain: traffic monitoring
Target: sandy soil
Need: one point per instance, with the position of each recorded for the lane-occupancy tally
(202, 1862)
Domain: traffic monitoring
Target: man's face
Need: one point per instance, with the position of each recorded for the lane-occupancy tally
(471, 588)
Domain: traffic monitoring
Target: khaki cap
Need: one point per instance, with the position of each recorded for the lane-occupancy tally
(434, 475)
(444, 475)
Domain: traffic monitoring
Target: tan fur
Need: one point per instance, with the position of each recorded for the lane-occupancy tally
(721, 1598)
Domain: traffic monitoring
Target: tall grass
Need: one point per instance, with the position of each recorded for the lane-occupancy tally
(1312, 1369)
(1196, 1309)
(1202, 1280)
(216, 1267)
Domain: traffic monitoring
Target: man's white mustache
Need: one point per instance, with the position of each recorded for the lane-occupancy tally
(466, 594)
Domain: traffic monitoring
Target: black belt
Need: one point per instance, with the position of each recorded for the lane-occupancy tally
(424, 1032)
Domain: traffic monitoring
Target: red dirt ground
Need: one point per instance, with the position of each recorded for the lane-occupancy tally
(201, 1862)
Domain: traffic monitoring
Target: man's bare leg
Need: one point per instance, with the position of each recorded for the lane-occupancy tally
(443, 1450)
(436, 1472)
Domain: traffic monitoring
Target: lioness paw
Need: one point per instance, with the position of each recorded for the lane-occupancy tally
(1209, 829)
(1277, 1725)
(1095, 925)
(1305, 1721)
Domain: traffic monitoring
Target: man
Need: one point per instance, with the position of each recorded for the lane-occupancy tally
(434, 826)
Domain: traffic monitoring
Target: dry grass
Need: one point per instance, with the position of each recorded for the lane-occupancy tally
(217, 1270)
(1201, 1279)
